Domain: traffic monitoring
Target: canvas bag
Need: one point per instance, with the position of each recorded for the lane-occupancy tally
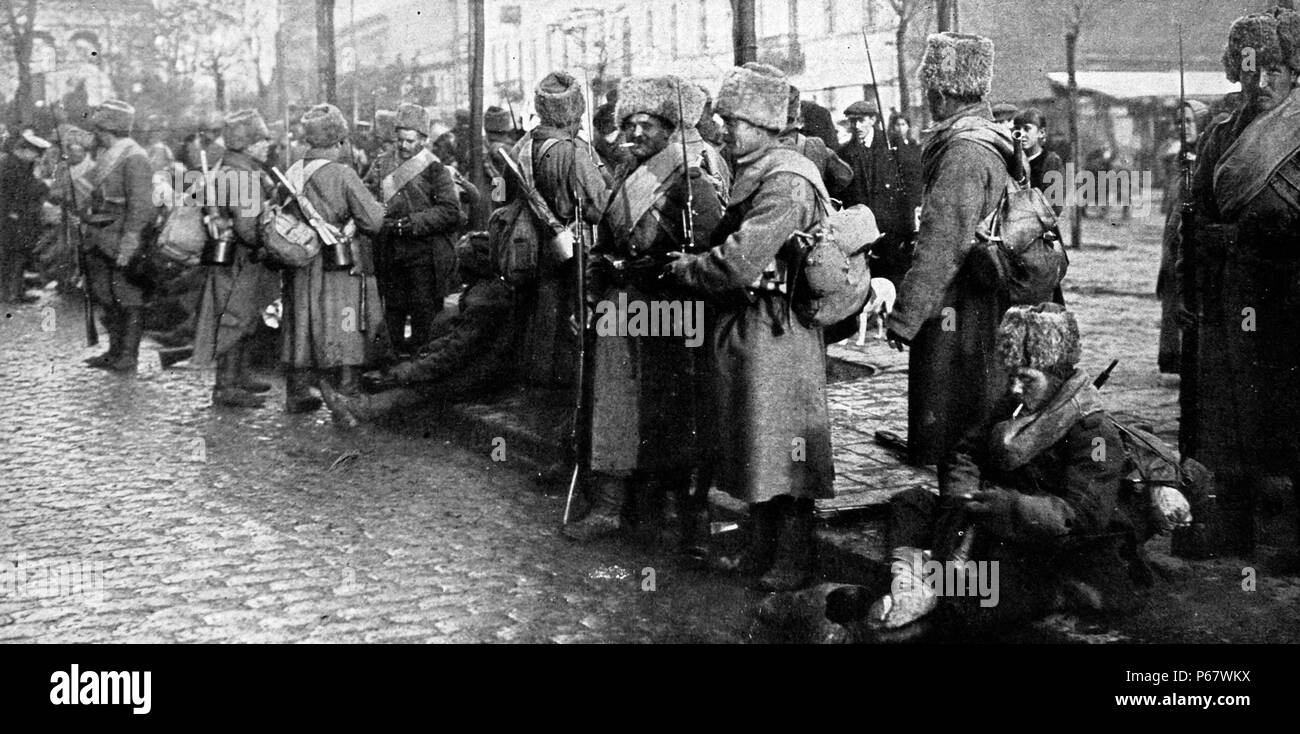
(1023, 246)
(286, 235)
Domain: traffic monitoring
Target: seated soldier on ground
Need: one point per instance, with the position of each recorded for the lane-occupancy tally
(1041, 496)
(472, 355)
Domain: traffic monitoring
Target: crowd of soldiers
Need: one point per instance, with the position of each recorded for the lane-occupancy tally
(686, 196)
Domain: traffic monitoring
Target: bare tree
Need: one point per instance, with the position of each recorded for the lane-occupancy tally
(19, 22)
(907, 12)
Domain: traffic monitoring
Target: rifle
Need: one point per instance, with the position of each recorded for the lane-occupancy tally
(880, 115)
(580, 402)
(1186, 289)
(688, 216)
(92, 334)
(329, 236)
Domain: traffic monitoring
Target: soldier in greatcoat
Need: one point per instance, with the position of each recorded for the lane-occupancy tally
(120, 209)
(415, 250)
(947, 310)
(1244, 280)
(330, 330)
(235, 294)
(645, 405)
(771, 426)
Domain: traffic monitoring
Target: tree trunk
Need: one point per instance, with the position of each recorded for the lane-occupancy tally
(1072, 113)
(476, 172)
(23, 109)
(900, 49)
(325, 69)
(743, 37)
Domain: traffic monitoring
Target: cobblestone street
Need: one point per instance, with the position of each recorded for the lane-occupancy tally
(215, 526)
(211, 525)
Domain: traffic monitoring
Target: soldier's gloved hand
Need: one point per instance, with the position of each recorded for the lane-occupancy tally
(994, 510)
(678, 268)
(399, 227)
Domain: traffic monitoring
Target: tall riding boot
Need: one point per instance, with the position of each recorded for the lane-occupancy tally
(764, 526)
(795, 550)
(1237, 518)
(297, 392)
(227, 391)
(244, 379)
(603, 519)
(347, 380)
(132, 328)
(112, 319)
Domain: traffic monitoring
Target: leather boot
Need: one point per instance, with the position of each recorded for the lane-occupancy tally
(603, 518)
(227, 391)
(297, 392)
(174, 355)
(132, 328)
(1236, 519)
(243, 377)
(112, 325)
(764, 525)
(353, 410)
(795, 548)
(347, 380)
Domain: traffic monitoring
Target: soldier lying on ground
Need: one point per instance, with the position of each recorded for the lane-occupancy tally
(471, 356)
(1041, 499)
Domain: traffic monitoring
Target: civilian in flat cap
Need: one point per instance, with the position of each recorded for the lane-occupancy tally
(644, 388)
(415, 251)
(327, 333)
(1244, 286)
(236, 293)
(563, 166)
(121, 208)
(876, 184)
(945, 311)
(21, 195)
(769, 369)
(1004, 114)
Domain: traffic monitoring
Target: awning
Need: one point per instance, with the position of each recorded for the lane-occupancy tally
(1145, 85)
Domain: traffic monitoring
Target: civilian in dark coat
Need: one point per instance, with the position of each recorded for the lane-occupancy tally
(876, 183)
(21, 194)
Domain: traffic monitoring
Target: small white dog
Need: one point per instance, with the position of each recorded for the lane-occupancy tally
(879, 306)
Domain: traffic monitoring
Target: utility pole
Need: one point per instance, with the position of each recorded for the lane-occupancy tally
(352, 41)
(743, 38)
(325, 51)
(947, 12)
(477, 51)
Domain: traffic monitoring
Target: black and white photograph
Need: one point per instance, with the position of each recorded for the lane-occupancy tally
(777, 322)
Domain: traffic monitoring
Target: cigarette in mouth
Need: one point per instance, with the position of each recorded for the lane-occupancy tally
(1016, 414)
(626, 145)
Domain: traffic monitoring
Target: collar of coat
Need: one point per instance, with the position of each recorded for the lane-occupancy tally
(1250, 161)
(974, 123)
(1015, 442)
(110, 159)
(757, 165)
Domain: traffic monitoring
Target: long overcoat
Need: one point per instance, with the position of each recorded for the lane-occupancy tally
(948, 306)
(323, 306)
(771, 423)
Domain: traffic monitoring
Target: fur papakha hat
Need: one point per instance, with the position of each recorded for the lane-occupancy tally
(658, 96)
(756, 98)
(114, 116)
(558, 99)
(958, 64)
(1045, 337)
(497, 120)
(324, 125)
(243, 129)
(384, 120)
(411, 116)
(1272, 38)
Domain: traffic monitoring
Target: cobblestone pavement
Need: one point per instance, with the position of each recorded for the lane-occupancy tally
(208, 525)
